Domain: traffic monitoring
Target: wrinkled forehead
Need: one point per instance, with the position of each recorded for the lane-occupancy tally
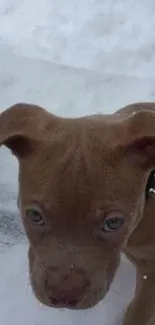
(74, 176)
(54, 174)
(65, 166)
(80, 167)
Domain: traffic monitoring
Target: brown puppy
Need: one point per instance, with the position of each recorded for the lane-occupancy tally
(82, 198)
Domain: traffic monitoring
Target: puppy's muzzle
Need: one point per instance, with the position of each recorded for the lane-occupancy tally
(65, 288)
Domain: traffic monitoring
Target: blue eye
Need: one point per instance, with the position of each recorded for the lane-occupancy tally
(35, 215)
(113, 222)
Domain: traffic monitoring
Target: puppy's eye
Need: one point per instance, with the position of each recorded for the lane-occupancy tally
(35, 215)
(113, 222)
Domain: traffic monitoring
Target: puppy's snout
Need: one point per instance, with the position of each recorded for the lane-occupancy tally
(67, 289)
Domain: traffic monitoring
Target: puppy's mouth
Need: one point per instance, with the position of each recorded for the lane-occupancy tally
(73, 304)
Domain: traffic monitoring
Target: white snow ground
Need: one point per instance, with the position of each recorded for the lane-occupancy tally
(73, 57)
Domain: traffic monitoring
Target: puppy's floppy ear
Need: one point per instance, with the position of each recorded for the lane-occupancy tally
(20, 127)
(139, 134)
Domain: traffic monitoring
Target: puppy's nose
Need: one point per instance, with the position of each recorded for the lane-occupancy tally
(66, 290)
(66, 298)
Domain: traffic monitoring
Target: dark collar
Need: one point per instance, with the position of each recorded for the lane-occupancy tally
(150, 187)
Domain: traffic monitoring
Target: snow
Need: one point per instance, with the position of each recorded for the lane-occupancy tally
(73, 57)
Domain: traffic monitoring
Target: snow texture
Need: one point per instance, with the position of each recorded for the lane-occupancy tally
(73, 57)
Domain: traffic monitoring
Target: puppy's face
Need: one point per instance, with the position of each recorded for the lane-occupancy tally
(79, 206)
(82, 193)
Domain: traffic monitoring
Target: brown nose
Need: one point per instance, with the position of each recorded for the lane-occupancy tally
(65, 289)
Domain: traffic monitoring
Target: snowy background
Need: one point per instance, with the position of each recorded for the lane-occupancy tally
(74, 57)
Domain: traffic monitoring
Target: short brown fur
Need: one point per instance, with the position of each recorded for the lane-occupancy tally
(76, 173)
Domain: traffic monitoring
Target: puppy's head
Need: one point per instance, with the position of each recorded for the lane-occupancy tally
(82, 193)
